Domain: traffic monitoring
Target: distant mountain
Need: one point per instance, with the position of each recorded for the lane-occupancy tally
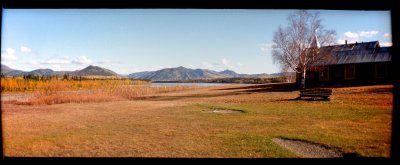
(94, 71)
(176, 74)
(7, 70)
(88, 71)
(182, 73)
(15, 73)
(139, 75)
(41, 72)
(230, 73)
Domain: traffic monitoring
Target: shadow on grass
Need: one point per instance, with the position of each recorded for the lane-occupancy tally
(261, 88)
(312, 99)
(279, 87)
(380, 90)
(303, 99)
(172, 98)
(351, 155)
(283, 87)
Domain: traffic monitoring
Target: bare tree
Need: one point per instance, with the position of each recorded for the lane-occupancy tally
(296, 47)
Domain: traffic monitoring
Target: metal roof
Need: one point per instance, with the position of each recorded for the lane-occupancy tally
(355, 53)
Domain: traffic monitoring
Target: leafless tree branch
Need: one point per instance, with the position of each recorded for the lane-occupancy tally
(292, 49)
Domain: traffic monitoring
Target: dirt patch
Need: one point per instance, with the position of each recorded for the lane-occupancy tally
(13, 97)
(307, 149)
(217, 109)
(227, 111)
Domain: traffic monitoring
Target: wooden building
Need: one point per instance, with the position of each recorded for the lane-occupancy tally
(351, 64)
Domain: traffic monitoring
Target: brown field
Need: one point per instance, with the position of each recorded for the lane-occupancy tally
(21, 91)
(181, 123)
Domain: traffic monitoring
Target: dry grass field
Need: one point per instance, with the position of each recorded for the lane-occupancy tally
(184, 123)
(59, 91)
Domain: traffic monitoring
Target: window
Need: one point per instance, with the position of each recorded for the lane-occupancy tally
(380, 70)
(349, 72)
(324, 74)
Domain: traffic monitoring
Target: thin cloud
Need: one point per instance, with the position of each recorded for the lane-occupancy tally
(190, 66)
(58, 60)
(81, 60)
(386, 44)
(387, 35)
(10, 51)
(103, 62)
(207, 65)
(55, 63)
(368, 33)
(223, 64)
(353, 37)
(341, 41)
(8, 55)
(25, 49)
(56, 67)
(33, 62)
(64, 63)
(52, 61)
(265, 47)
(106, 61)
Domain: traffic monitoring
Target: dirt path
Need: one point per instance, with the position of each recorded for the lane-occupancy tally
(308, 150)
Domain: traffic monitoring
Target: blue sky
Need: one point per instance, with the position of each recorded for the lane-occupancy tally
(133, 40)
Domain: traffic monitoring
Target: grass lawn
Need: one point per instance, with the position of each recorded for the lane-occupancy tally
(357, 120)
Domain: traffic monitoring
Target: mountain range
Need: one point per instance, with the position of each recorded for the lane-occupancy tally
(88, 71)
(167, 74)
(182, 73)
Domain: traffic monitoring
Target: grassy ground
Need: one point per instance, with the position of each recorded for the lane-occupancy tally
(357, 120)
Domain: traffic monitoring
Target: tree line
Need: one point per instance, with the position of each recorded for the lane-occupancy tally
(66, 77)
(240, 80)
(46, 77)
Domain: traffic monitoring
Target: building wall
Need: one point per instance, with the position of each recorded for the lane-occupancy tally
(365, 74)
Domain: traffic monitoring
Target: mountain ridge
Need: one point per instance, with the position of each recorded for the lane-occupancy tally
(181, 73)
(176, 74)
(87, 71)
(167, 74)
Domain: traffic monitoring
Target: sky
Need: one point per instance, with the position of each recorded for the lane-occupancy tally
(134, 40)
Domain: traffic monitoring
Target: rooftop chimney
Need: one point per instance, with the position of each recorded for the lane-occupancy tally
(345, 42)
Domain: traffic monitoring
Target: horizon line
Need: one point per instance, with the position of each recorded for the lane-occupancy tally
(138, 71)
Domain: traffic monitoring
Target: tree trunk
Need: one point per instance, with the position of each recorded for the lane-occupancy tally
(303, 79)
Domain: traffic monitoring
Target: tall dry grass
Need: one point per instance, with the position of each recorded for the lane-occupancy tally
(58, 91)
(19, 84)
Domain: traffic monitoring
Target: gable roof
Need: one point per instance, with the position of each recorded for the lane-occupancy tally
(355, 53)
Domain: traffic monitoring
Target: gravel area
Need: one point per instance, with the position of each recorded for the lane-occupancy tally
(308, 150)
